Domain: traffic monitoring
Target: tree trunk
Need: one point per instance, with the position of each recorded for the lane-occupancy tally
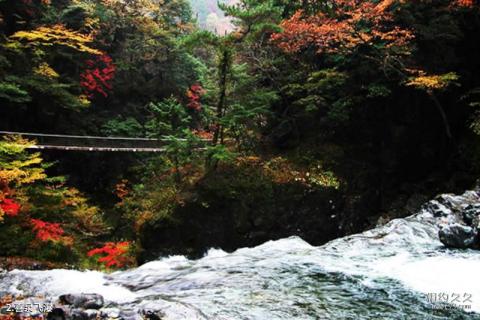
(222, 84)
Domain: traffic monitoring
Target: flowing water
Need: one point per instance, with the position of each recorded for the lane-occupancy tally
(391, 272)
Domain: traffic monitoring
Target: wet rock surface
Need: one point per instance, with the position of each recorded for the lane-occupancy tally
(458, 218)
(85, 301)
(457, 236)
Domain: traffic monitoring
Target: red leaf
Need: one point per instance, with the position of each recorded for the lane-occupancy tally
(115, 254)
(47, 231)
(98, 75)
(10, 207)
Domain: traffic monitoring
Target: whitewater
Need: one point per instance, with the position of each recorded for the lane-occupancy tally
(390, 272)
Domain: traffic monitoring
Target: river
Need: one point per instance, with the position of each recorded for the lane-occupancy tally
(397, 271)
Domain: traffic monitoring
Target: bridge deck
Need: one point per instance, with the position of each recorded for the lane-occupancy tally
(94, 143)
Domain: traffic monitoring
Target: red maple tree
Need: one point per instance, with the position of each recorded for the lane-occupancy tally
(47, 231)
(115, 254)
(10, 207)
(98, 76)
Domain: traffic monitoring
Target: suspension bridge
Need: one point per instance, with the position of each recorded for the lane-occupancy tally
(91, 143)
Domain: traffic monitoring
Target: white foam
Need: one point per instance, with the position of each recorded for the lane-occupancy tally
(58, 282)
(165, 263)
(441, 274)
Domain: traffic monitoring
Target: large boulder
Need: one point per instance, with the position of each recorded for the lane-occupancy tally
(457, 236)
(458, 218)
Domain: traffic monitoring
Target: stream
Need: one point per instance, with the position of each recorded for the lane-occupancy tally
(397, 271)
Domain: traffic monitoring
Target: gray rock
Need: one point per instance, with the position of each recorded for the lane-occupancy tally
(130, 315)
(84, 314)
(470, 213)
(151, 315)
(476, 223)
(437, 209)
(84, 301)
(457, 236)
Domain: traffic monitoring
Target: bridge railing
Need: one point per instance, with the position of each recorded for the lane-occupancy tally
(92, 143)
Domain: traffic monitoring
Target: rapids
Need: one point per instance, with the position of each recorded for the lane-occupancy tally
(397, 271)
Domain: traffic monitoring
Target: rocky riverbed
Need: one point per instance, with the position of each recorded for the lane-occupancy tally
(420, 267)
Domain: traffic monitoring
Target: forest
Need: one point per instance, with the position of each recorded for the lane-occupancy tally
(316, 119)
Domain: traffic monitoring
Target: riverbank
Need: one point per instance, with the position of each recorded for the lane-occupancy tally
(11, 263)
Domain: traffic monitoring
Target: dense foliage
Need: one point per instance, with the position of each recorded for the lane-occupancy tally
(45, 218)
(283, 117)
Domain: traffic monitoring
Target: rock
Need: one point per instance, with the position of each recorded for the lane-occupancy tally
(476, 223)
(56, 314)
(84, 314)
(470, 213)
(130, 315)
(84, 301)
(150, 315)
(437, 209)
(457, 236)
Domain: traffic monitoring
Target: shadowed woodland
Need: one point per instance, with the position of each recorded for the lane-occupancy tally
(310, 118)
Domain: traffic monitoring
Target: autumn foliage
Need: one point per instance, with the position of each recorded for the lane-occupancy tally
(194, 94)
(465, 3)
(46, 231)
(350, 24)
(55, 36)
(98, 76)
(114, 254)
(10, 207)
(203, 134)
